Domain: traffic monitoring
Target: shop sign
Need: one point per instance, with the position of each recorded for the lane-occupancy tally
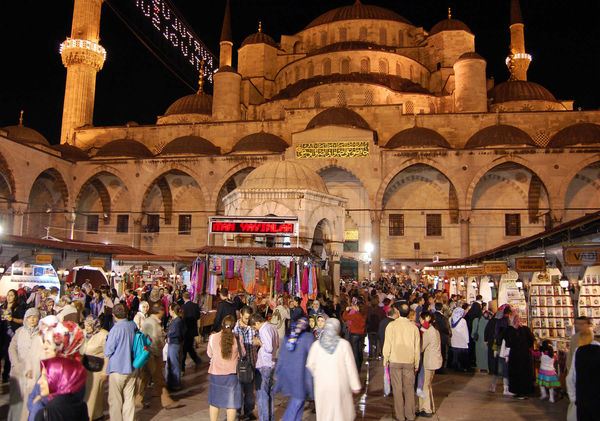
(495, 268)
(461, 272)
(530, 264)
(476, 271)
(352, 149)
(581, 255)
(97, 263)
(351, 235)
(43, 259)
(239, 227)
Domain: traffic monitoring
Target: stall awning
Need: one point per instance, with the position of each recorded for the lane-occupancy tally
(252, 251)
(569, 231)
(153, 258)
(65, 244)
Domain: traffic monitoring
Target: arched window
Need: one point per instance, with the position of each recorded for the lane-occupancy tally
(382, 36)
(317, 99)
(341, 99)
(327, 67)
(410, 107)
(342, 34)
(383, 66)
(311, 70)
(345, 67)
(297, 46)
(365, 65)
(323, 38)
(400, 38)
(398, 69)
(362, 35)
(369, 98)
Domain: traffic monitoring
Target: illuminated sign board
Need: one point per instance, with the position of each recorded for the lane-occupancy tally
(581, 255)
(352, 149)
(239, 227)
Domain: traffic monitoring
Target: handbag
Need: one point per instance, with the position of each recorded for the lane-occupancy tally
(92, 363)
(504, 350)
(245, 371)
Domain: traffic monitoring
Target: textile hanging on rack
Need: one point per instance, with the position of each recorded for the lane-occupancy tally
(237, 267)
(229, 269)
(248, 275)
(278, 285)
(212, 283)
(304, 282)
(217, 264)
(193, 279)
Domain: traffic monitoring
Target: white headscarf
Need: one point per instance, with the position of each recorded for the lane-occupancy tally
(331, 335)
(457, 314)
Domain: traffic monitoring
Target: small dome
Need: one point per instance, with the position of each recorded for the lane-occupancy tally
(195, 145)
(70, 152)
(577, 134)
(469, 56)
(288, 175)
(417, 137)
(124, 147)
(226, 69)
(199, 103)
(499, 135)
(24, 134)
(338, 116)
(259, 142)
(357, 11)
(449, 25)
(259, 38)
(519, 90)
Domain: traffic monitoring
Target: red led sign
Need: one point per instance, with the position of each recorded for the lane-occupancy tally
(253, 227)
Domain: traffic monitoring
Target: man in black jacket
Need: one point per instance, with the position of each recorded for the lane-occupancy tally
(191, 314)
(224, 308)
(440, 322)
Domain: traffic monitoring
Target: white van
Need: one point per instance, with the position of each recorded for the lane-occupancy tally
(21, 274)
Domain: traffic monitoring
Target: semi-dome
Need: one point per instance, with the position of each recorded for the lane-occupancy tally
(519, 90)
(198, 103)
(72, 153)
(260, 142)
(357, 11)
(259, 38)
(449, 25)
(124, 147)
(286, 175)
(577, 134)
(470, 56)
(338, 116)
(417, 137)
(499, 135)
(195, 145)
(27, 135)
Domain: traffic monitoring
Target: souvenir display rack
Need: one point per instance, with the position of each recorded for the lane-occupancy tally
(589, 298)
(551, 309)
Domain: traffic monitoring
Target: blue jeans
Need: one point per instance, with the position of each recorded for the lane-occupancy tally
(294, 410)
(264, 393)
(173, 367)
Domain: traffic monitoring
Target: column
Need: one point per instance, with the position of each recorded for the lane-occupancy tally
(465, 235)
(19, 214)
(376, 241)
(137, 232)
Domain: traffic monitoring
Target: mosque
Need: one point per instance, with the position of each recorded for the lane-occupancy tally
(386, 140)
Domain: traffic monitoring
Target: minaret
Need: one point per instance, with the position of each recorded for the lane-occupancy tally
(83, 57)
(518, 60)
(226, 43)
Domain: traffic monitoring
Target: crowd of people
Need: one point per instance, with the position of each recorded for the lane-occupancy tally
(61, 353)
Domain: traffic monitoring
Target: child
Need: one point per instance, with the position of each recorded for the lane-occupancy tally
(547, 377)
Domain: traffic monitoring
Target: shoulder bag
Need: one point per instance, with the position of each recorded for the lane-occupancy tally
(245, 371)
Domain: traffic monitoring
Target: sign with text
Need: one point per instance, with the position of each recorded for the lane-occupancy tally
(476, 271)
(581, 255)
(495, 268)
(242, 227)
(44, 259)
(97, 263)
(530, 264)
(351, 149)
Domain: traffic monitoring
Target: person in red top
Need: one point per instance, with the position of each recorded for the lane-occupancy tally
(355, 317)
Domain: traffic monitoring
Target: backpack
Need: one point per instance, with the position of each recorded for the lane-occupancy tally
(141, 349)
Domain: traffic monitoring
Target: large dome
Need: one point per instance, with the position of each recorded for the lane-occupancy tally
(260, 142)
(519, 90)
(199, 103)
(24, 134)
(449, 25)
(194, 145)
(577, 134)
(124, 147)
(357, 11)
(284, 175)
(338, 116)
(259, 38)
(72, 153)
(499, 135)
(417, 137)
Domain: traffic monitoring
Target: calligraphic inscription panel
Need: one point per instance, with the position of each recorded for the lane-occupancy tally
(351, 149)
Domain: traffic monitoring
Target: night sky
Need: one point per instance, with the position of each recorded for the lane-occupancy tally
(563, 38)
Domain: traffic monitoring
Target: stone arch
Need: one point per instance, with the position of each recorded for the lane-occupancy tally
(345, 65)
(322, 170)
(59, 184)
(166, 192)
(7, 180)
(272, 208)
(321, 237)
(47, 204)
(582, 194)
(365, 65)
(362, 33)
(327, 67)
(234, 177)
(576, 169)
(382, 66)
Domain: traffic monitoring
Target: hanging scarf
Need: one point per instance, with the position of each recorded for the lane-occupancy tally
(330, 336)
(230, 268)
(457, 316)
(93, 322)
(304, 283)
(296, 330)
(277, 274)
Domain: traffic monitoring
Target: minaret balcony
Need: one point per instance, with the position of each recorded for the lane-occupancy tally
(74, 51)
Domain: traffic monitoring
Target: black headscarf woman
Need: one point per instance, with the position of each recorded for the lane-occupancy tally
(521, 375)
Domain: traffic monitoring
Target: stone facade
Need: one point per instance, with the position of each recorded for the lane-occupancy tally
(411, 202)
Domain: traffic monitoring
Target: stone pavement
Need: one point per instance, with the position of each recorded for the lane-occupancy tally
(458, 397)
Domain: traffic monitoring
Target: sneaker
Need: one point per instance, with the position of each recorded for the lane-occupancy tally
(420, 393)
(507, 393)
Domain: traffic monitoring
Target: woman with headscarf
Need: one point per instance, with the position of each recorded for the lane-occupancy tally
(47, 307)
(478, 336)
(11, 312)
(59, 339)
(521, 375)
(459, 342)
(281, 314)
(142, 314)
(499, 349)
(320, 325)
(25, 352)
(59, 384)
(95, 339)
(293, 378)
(331, 363)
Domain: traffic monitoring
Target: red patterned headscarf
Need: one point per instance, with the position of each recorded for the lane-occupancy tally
(66, 337)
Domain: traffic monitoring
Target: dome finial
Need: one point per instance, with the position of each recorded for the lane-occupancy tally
(201, 78)
(449, 13)
(21, 118)
(259, 26)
